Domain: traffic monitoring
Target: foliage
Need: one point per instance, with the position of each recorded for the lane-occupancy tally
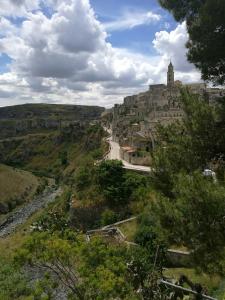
(16, 187)
(104, 271)
(94, 270)
(57, 154)
(206, 28)
(51, 222)
(149, 236)
(144, 274)
(191, 207)
(83, 177)
(110, 179)
(63, 157)
(192, 144)
(93, 137)
(13, 283)
(196, 218)
(56, 218)
(116, 184)
(108, 217)
(205, 227)
(55, 255)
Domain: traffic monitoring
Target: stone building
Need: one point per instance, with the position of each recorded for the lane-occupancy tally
(134, 122)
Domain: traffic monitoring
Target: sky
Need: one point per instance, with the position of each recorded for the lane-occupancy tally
(88, 52)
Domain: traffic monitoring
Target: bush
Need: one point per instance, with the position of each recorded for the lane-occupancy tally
(13, 283)
(116, 184)
(108, 217)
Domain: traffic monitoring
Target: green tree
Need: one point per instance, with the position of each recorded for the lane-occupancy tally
(145, 274)
(104, 271)
(110, 179)
(206, 28)
(94, 270)
(116, 184)
(195, 218)
(192, 144)
(54, 255)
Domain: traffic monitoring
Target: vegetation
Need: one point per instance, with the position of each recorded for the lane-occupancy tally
(16, 187)
(56, 154)
(206, 28)
(189, 206)
(105, 193)
(177, 206)
(117, 185)
(41, 118)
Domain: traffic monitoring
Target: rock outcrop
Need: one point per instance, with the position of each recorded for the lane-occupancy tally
(31, 118)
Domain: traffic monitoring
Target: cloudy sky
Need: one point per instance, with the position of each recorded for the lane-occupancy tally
(91, 52)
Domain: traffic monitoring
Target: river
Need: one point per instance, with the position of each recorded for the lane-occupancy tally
(21, 215)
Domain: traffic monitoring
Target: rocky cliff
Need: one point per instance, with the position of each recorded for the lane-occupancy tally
(29, 118)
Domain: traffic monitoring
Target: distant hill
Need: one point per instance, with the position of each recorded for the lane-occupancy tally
(32, 118)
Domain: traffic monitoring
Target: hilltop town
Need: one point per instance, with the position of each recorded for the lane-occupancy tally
(134, 122)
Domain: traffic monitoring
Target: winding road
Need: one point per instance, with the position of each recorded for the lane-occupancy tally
(114, 153)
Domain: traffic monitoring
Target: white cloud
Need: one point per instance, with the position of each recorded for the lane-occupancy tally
(66, 59)
(15, 8)
(171, 46)
(130, 20)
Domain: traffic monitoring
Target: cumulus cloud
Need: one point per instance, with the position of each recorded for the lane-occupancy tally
(17, 7)
(66, 58)
(131, 20)
(77, 28)
(171, 46)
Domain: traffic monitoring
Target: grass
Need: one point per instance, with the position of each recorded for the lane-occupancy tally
(220, 292)
(11, 243)
(211, 283)
(16, 186)
(129, 229)
(42, 154)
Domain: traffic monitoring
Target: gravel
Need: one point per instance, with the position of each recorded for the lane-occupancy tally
(22, 214)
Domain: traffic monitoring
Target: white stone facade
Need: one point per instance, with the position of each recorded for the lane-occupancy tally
(134, 121)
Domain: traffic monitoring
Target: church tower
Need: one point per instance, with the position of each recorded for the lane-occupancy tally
(170, 76)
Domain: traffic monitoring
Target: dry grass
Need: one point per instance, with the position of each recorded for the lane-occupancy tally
(129, 229)
(11, 243)
(16, 183)
(211, 283)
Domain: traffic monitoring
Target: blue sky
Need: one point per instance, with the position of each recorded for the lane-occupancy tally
(138, 38)
(87, 51)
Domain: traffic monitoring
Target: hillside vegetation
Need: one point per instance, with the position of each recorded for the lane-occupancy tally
(56, 154)
(32, 118)
(172, 205)
(16, 186)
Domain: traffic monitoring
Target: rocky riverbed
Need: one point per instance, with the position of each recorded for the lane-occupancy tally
(23, 213)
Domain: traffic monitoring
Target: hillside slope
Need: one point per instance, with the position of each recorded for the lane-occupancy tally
(16, 186)
(32, 118)
(55, 154)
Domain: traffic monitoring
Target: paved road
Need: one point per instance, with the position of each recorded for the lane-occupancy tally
(115, 154)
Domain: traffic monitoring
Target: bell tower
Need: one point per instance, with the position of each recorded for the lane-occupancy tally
(170, 76)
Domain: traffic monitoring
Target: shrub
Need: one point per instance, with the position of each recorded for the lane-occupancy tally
(108, 217)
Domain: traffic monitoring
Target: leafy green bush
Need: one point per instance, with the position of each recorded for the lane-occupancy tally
(108, 217)
(13, 283)
(116, 184)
